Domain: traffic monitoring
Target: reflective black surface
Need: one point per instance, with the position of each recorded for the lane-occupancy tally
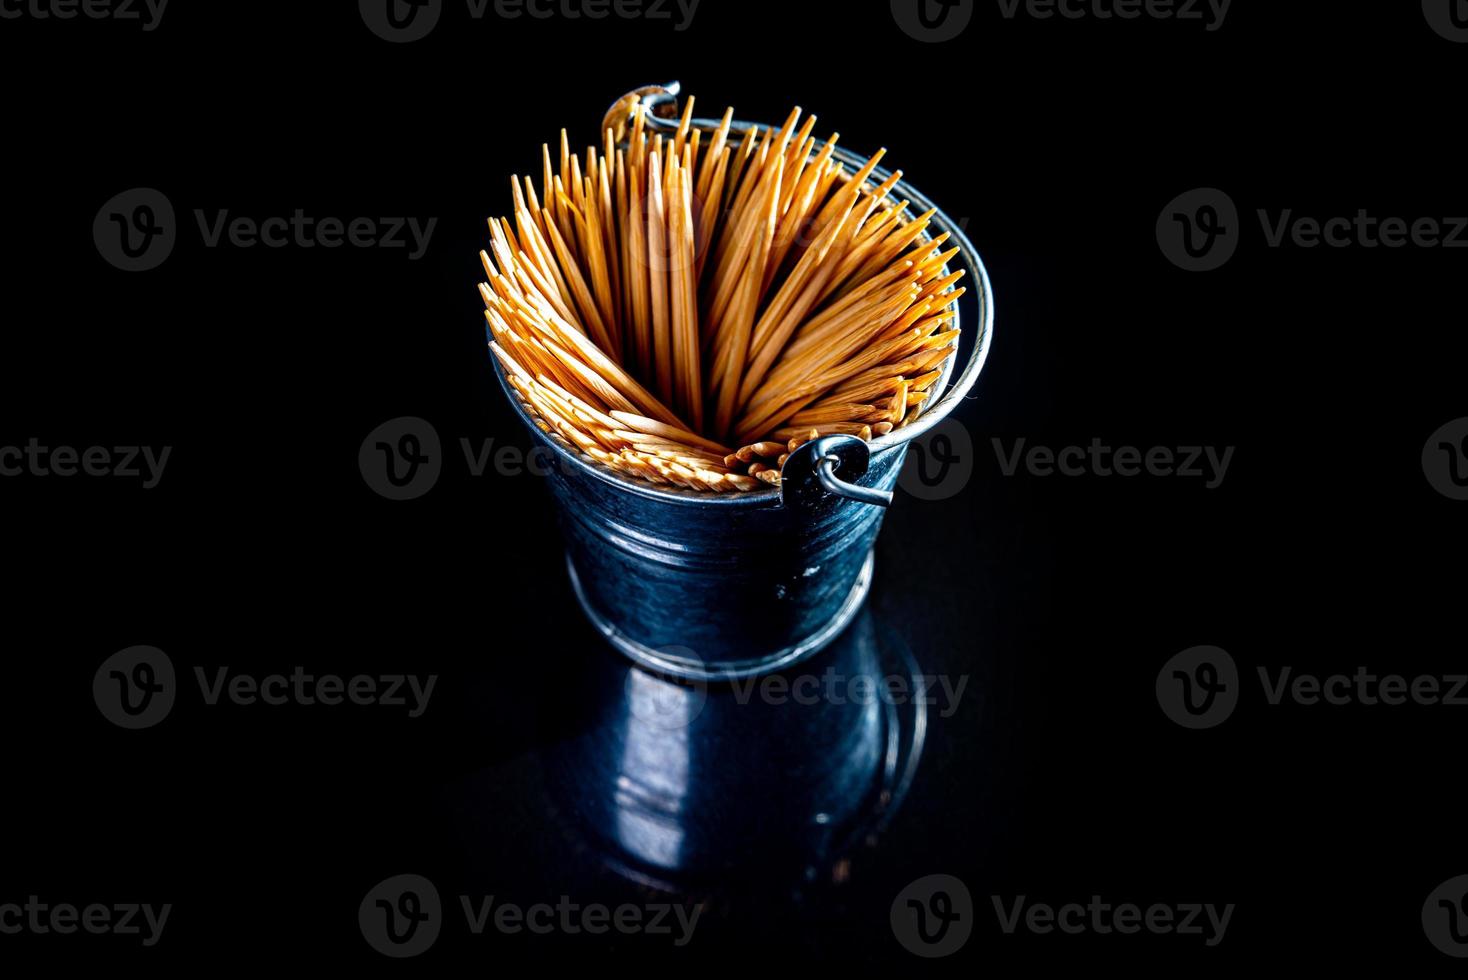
(761, 783)
(769, 802)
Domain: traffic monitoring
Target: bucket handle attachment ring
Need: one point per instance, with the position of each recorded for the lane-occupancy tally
(851, 491)
(660, 102)
(808, 478)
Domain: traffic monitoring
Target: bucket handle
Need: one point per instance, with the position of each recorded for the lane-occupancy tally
(809, 476)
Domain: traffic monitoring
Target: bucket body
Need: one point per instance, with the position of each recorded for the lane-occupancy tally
(713, 587)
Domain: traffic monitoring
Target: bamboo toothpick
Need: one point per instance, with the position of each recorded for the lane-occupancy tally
(654, 301)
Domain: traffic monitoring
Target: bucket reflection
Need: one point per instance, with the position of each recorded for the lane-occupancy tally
(686, 786)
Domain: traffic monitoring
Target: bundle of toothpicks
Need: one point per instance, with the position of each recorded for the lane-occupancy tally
(688, 311)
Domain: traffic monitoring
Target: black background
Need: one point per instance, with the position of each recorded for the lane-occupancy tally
(1060, 142)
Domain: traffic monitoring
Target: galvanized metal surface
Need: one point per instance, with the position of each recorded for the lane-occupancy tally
(718, 593)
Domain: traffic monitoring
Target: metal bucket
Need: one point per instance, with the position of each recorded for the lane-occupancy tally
(708, 586)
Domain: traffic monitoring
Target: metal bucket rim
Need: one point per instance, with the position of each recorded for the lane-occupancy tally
(983, 296)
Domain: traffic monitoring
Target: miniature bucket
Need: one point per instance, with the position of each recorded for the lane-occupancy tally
(721, 586)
